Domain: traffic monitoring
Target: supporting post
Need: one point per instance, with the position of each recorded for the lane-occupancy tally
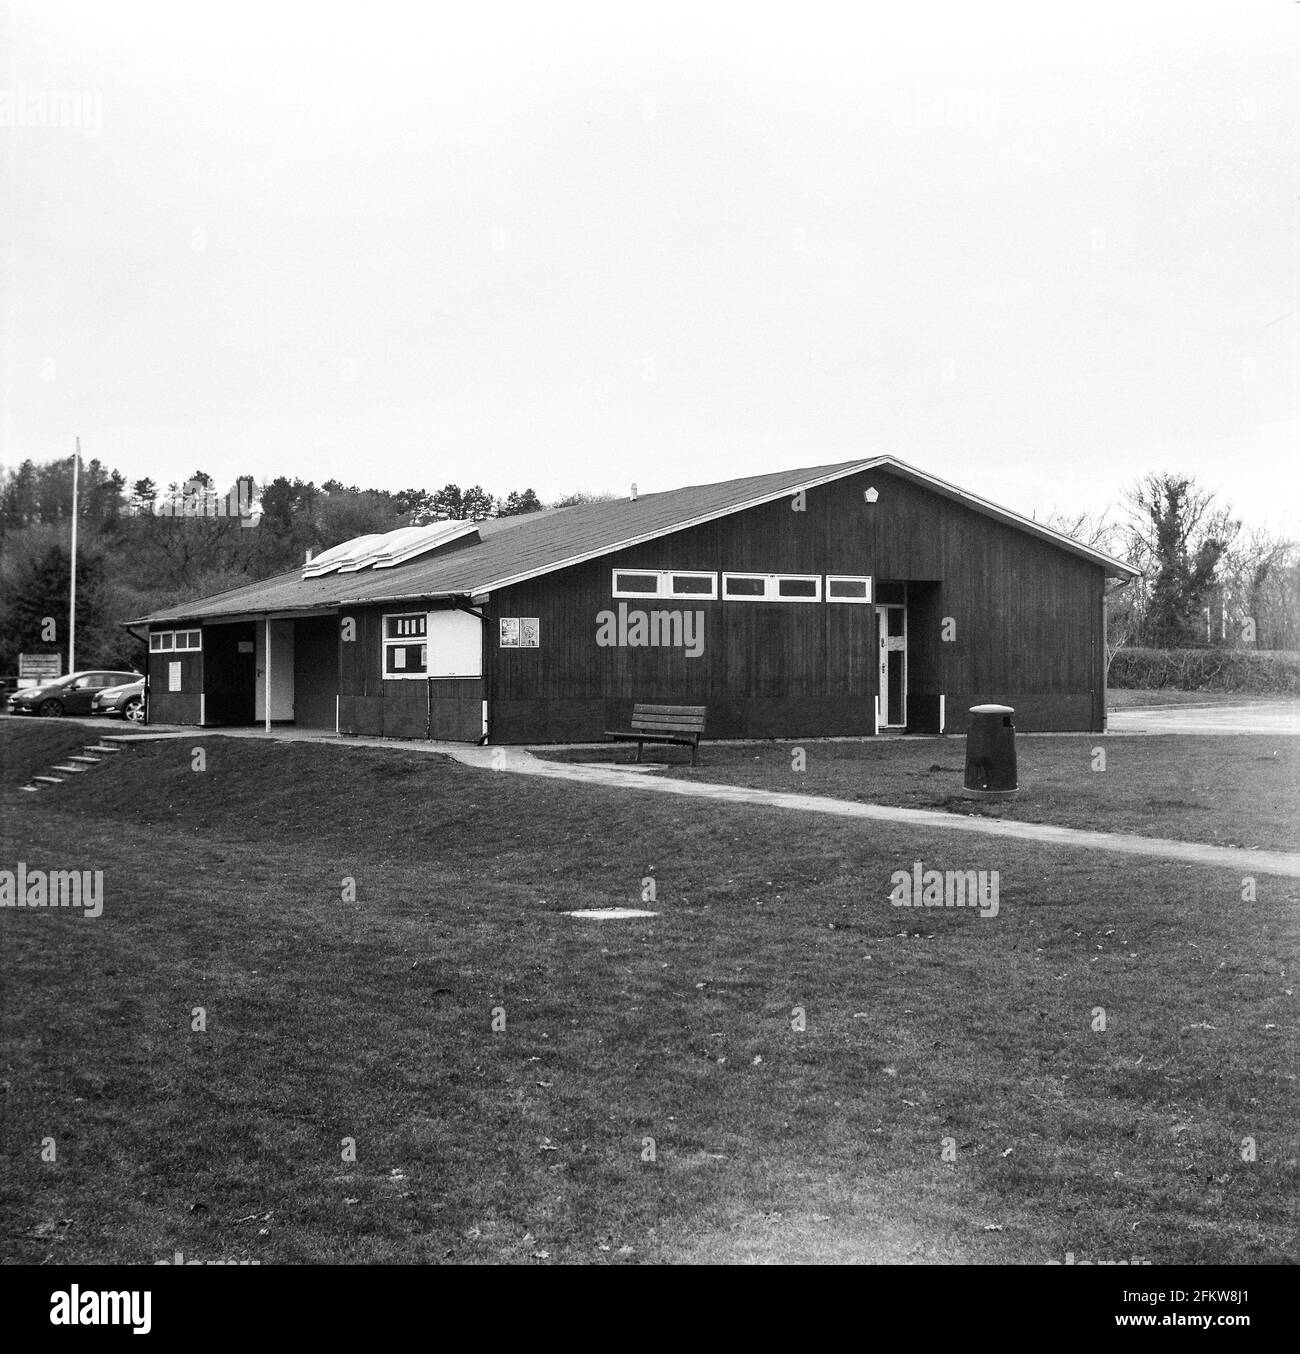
(266, 677)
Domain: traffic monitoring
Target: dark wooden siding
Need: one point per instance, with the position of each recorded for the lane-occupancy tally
(175, 707)
(443, 708)
(315, 671)
(1026, 617)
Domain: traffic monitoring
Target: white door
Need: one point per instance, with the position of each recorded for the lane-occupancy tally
(281, 670)
(891, 639)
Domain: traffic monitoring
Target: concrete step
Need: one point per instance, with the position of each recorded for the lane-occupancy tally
(64, 767)
(93, 761)
(31, 789)
(99, 747)
(49, 780)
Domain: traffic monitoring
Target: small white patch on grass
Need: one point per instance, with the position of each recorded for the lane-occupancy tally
(610, 913)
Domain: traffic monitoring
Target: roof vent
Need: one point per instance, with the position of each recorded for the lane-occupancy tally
(633, 493)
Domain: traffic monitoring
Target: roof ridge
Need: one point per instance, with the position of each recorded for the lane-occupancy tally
(545, 542)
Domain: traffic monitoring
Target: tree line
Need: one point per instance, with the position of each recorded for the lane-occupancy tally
(141, 548)
(1205, 580)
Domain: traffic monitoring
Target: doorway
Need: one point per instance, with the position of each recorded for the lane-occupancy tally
(315, 672)
(228, 674)
(891, 637)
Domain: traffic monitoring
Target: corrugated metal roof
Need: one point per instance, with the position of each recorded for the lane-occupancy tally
(510, 549)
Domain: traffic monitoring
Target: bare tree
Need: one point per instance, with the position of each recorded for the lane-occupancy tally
(1257, 595)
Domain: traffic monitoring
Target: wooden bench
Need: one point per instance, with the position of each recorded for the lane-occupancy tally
(683, 724)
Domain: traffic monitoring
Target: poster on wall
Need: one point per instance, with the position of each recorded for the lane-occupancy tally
(509, 632)
(529, 632)
(173, 676)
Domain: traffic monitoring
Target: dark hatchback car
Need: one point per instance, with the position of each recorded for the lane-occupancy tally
(127, 701)
(70, 695)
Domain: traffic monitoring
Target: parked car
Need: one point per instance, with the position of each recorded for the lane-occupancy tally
(127, 701)
(70, 695)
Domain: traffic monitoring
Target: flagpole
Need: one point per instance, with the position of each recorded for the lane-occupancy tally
(72, 585)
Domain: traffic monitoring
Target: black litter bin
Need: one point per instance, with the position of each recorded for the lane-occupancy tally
(991, 754)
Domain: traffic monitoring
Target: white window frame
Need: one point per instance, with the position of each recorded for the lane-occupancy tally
(851, 578)
(771, 587)
(814, 579)
(645, 573)
(664, 584)
(729, 597)
(173, 644)
(388, 642)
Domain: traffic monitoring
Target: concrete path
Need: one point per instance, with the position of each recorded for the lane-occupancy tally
(518, 761)
(1282, 718)
(1229, 857)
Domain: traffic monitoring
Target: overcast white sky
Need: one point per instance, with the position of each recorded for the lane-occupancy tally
(1035, 249)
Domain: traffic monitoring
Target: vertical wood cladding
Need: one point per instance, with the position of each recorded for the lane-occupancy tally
(1025, 618)
(315, 671)
(175, 707)
(444, 708)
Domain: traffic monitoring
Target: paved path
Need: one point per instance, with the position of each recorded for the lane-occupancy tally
(1230, 857)
(519, 761)
(1260, 719)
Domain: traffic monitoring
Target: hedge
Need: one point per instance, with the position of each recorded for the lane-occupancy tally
(1268, 672)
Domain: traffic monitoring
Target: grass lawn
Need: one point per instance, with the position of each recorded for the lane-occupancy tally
(1231, 790)
(29, 747)
(371, 1020)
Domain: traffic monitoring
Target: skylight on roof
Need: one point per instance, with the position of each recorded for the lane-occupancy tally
(430, 538)
(330, 560)
(385, 549)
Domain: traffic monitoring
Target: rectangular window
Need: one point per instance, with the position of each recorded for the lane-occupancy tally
(772, 587)
(406, 653)
(744, 586)
(690, 585)
(848, 588)
(627, 584)
(665, 583)
(179, 641)
(795, 588)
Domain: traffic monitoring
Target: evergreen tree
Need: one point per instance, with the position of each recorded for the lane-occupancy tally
(515, 504)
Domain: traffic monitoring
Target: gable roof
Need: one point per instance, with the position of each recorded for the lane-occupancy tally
(511, 549)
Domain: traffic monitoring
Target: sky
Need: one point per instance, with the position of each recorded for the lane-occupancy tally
(1036, 250)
